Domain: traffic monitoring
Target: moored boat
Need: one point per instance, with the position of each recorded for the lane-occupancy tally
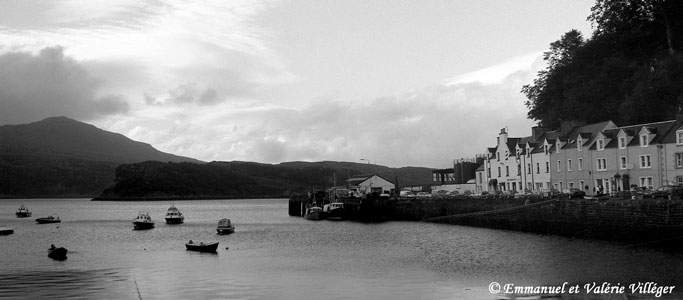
(201, 246)
(6, 230)
(174, 216)
(23, 212)
(334, 211)
(225, 226)
(314, 213)
(143, 221)
(48, 219)
(57, 253)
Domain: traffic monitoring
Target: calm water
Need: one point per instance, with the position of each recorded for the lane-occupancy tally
(274, 256)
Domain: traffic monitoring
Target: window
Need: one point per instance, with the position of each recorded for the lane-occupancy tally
(545, 148)
(580, 163)
(679, 137)
(558, 145)
(623, 161)
(645, 161)
(507, 154)
(601, 144)
(622, 142)
(528, 168)
(569, 165)
(559, 165)
(538, 168)
(646, 182)
(507, 171)
(678, 160)
(519, 171)
(488, 172)
(602, 164)
(570, 185)
(579, 144)
(643, 140)
(679, 180)
(498, 156)
(581, 186)
(498, 171)
(547, 167)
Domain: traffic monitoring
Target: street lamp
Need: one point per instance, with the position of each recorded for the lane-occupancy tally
(368, 163)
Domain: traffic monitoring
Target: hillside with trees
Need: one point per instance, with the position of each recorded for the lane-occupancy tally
(245, 179)
(629, 71)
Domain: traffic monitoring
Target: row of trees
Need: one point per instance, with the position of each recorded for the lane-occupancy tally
(630, 71)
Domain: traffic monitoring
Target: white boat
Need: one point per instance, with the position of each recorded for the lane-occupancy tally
(314, 213)
(225, 226)
(174, 216)
(143, 221)
(334, 211)
(48, 219)
(23, 212)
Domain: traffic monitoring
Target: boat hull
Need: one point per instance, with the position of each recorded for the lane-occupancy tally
(336, 214)
(175, 220)
(315, 216)
(23, 214)
(225, 230)
(47, 221)
(201, 247)
(142, 225)
(6, 231)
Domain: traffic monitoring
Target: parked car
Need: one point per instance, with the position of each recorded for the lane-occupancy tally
(552, 193)
(423, 195)
(575, 193)
(667, 191)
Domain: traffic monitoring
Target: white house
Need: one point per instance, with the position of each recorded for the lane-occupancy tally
(368, 184)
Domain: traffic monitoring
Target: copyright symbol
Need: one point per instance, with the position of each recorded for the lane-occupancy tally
(494, 288)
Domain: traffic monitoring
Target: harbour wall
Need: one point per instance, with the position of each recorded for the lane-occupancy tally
(647, 221)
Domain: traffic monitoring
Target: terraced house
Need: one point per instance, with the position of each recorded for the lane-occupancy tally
(596, 158)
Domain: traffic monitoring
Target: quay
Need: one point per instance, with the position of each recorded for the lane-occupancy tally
(656, 222)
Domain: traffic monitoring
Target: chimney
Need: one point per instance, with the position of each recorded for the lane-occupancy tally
(502, 137)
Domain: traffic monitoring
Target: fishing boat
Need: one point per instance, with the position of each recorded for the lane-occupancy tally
(174, 216)
(143, 221)
(225, 226)
(23, 212)
(6, 230)
(48, 220)
(314, 213)
(57, 253)
(201, 246)
(334, 211)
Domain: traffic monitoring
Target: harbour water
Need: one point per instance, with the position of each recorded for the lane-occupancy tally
(272, 255)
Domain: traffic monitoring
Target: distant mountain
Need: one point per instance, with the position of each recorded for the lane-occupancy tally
(61, 157)
(238, 179)
(67, 138)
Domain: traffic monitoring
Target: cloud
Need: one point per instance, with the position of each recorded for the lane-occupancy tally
(33, 87)
(426, 127)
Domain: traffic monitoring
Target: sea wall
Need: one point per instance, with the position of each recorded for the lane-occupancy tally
(641, 221)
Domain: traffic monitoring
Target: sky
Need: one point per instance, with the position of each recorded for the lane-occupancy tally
(388, 82)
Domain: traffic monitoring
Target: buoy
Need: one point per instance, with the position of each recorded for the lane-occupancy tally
(226, 248)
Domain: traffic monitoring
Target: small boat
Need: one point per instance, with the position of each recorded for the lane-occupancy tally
(143, 221)
(334, 211)
(314, 213)
(225, 226)
(57, 253)
(174, 216)
(6, 230)
(23, 212)
(49, 220)
(201, 246)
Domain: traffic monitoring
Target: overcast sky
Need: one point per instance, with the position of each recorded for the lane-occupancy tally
(395, 82)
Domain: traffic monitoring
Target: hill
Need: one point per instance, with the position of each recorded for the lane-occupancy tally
(245, 179)
(61, 157)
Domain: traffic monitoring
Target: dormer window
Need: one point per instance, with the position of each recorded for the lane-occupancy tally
(545, 148)
(528, 152)
(643, 140)
(601, 144)
(622, 142)
(579, 144)
(558, 145)
(679, 137)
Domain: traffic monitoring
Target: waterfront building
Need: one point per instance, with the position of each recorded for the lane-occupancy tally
(370, 184)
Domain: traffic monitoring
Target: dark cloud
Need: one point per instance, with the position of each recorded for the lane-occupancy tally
(33, 87)
(188, 93)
